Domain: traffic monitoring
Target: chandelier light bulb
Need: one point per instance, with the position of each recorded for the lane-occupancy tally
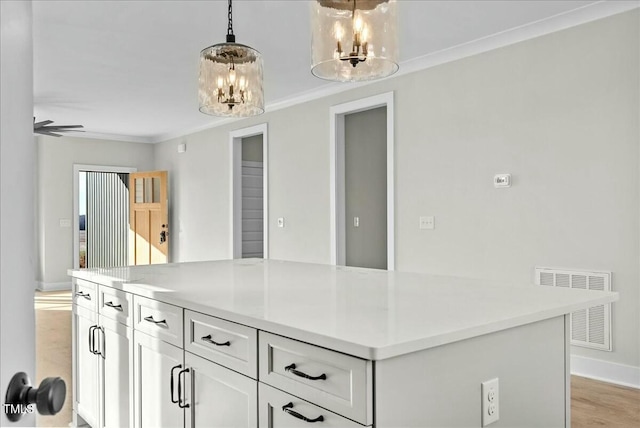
(343, 36)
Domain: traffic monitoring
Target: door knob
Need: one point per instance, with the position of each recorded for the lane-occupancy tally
(48, 397)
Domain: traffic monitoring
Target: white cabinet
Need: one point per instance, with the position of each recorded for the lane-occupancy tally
(220, 397)
(102, 360)
(116, 352)
(281, 410)
(159, 379)
(330, 379)
(85, 367)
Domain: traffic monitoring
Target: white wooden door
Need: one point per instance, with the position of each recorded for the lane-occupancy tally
(117, 370)
(155, 361)
(219, 397)
(148, 218)
(86, 376)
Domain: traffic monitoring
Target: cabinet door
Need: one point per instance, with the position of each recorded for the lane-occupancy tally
(281, 410)
(153, 364)
(219, 397)
(86, 365)
(117, 380)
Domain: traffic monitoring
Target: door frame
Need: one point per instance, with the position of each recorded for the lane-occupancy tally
(235, 149)
(76, 201)
(337, 202)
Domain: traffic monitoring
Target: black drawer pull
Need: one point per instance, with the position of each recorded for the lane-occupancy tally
(208, 338)
(116, 307)
(173, 400)
(82, 294)
(292, 368)
(150, 319)
(181, 399)
(288, 408)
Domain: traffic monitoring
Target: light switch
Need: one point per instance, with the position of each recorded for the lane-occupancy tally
(280, 221)
(65, 222)
(502, 180)
(356, 222)
(427, 222)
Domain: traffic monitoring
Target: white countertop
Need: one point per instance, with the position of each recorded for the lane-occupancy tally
(368, 313)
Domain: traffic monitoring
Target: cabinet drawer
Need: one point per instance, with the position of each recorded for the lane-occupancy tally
(158, 319)
(229, 344)
(85, 294)
(335, 381)
(278, 409)
(115, 304)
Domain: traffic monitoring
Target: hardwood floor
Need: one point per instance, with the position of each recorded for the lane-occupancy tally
(593, 403)
(53, 348)
(600, 404)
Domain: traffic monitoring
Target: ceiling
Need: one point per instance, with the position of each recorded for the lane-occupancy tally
(128, 69)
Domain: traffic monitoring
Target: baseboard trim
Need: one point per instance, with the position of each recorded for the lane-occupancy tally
(606, 371)
(53, 286)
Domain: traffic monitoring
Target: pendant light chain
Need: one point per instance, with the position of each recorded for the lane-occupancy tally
(230, 27)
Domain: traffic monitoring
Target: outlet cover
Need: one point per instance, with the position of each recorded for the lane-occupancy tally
(490, 401)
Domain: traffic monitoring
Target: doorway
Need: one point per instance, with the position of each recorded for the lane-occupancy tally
(362, 197)
(249, 192)
(101, 215)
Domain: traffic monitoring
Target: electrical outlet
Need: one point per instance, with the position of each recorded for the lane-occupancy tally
(490, 401)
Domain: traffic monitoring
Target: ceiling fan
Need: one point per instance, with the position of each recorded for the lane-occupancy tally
(43, 129)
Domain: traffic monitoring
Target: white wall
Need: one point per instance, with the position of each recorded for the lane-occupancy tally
(56, 157)
(17, 188)
(559, 112)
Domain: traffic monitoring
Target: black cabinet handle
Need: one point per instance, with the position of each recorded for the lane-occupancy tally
(116, 307)
(180, 398)
(208, 338)
(150, 319)
(288, 408)
(103, 350)
(95, 350)
(92, 339)
(85, 295)
(292, 368)
(179, 366)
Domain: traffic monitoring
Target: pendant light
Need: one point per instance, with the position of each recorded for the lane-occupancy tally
(353, 40)
(230, 82)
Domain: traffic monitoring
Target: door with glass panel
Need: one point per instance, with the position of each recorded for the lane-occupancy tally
(149, 218)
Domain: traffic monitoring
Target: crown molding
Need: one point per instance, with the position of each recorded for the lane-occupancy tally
(109, 137)
(572, 18)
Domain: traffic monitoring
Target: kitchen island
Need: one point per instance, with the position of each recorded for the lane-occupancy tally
(272, 343)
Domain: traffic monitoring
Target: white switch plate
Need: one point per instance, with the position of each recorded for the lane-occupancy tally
(427, 222)
(502, 180)
(356, 222)
(65, 222)
(490, 401)
(280, 221)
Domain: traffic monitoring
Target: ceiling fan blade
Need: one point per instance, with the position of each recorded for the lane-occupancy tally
(41, 124)
(63, 127)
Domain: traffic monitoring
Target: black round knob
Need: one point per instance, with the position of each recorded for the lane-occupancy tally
(48, 397)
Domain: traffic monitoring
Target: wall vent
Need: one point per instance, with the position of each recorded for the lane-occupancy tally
(590, 328)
